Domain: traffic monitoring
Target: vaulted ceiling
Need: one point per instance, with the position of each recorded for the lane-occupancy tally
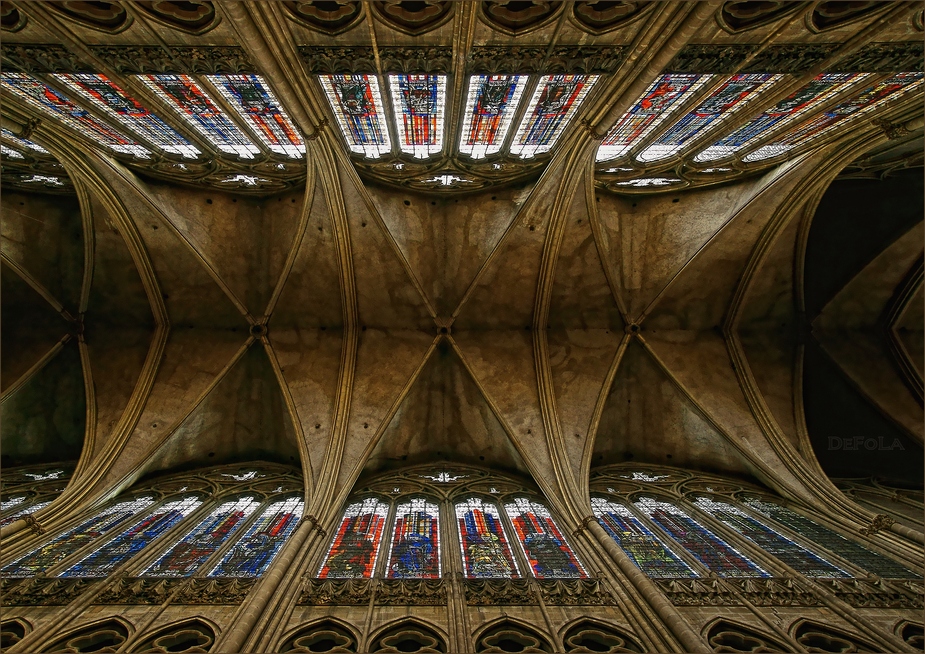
(544, 324)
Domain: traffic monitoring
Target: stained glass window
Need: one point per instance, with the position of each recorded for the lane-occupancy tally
(648, 112)
(733, 95)
(23, 510)
(196, 107)
(484, 546)
(714, 553)
(833, 541)
(490, 107)
(542, 543)
(860, 104)
(645, 549)
(255, 103)
(357, 105)
(415, 547)
(355, 548)
(797, 104)
(132, 541)
(192, 550)
(50, 101)
(254, 551)
(797, 557)
(555, 101)
(419, 102)
(12, 153)
(25, 143)
(56, 550)
(10, 502)
(117, 104)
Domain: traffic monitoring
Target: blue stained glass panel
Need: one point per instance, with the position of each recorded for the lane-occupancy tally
(117, 104)
(544, 546)
(419, 102)
(484, 546)
(48, 100)
(58, 549)
(490, 106)
(714, 553)
(24, 143)
(833, 541)
(797, 104)
(642, 546)
(355, 548)
(862, 103)
(255, 103)
(357, 105)
(555, 101)
(196, 107)
(415, 547)
(797, 557)
(185, 557)
(254, 551)
(648, 112)
(23, 510)
(12, 153)
(126, 545)
(735, 93)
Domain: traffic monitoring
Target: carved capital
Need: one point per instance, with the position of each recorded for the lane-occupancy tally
(33, 524)
(893, 131)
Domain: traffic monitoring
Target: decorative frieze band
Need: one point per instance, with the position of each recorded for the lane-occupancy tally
(43, 591)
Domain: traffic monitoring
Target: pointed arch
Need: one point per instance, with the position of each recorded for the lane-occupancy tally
(404, 635)
(510, 635)
(911, 632)
(325, 635)
(186, 636)
(106, 635)
(589, 635)
(729, 636)
(816, 637)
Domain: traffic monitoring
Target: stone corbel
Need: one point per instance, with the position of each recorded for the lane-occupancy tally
(880, 522)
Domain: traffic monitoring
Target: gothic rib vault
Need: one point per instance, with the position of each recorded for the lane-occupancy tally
(544, 326)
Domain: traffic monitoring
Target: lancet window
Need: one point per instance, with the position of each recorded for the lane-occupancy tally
(555, 101)
(420, 104)
(860, 104)
(29, 489)
(649, 111)
(675, 524)
(491, 103)
(733, 95)
(124, 109)
(193, 524)
(357, 104)
(49, 101)
(488, 523)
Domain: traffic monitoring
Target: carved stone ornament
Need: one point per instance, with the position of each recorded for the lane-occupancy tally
(873, 593)
(327, 17)
(43, 591)
(590, 59)
(195, 60)
(773, 592)
(414, 17)
(104, 16)
(790, 58)
(42, 59)
(138, 590)
(880, 522)
(493, 592)
(324, 592)
(710, 58)
(569, 592)
(516, 18)
(33, 524)
(601, 17)
(215, 591)
(697, 592)
(416, 60)
(884, 58)
(427, 592)
(741, 16)
(195, 17)
(338, 60)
